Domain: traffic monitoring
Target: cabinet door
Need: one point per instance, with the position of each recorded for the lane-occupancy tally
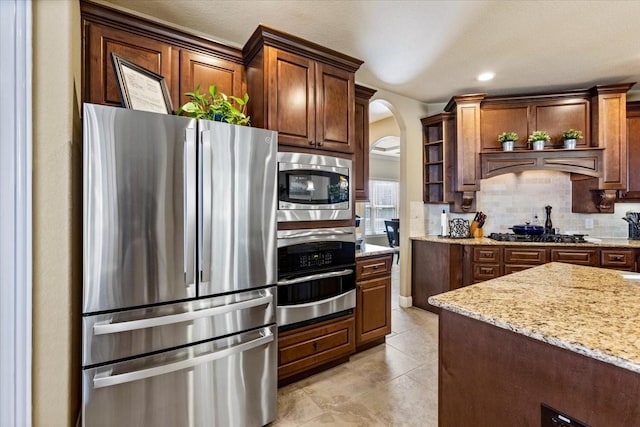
(373, 309)
(335, 108)
(291, 98)
(205, 70)
(632, 191)
(361, 146)
(100, 80)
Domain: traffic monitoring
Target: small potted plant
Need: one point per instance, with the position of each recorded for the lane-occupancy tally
(216, 106)
(507, 139)
(538, 138)
(571, 137)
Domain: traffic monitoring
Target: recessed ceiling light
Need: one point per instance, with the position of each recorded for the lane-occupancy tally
(486, 76)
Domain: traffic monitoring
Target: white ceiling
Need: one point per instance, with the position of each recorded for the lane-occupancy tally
(432, 50)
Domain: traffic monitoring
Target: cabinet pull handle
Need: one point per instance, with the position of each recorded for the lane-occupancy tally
(320, 143)
(486, 270)
(311, 142)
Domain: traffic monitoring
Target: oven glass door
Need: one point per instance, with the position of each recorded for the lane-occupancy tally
(316, 287)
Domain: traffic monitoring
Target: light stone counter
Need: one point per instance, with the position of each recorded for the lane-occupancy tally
(624, 243)
(367, 250)
(587, 310)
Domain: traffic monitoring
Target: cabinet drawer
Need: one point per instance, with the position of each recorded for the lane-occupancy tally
(373, 266)
(488, 254)
(512, 268)
(313, 345)
(575, 256)
(617, 258)
(483, 272)
(533, 256)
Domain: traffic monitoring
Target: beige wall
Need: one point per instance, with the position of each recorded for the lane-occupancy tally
(408, 112)
(57, 260)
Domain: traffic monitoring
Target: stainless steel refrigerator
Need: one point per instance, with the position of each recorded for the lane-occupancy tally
(179, 245)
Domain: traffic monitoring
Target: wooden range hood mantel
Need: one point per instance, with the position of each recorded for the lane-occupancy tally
(585, 161)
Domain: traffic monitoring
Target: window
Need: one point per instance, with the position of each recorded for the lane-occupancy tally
(383, 205)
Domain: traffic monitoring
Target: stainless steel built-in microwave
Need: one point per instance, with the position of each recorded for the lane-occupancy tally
(313, 187)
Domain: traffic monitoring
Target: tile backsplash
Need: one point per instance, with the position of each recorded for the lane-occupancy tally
(516, 198)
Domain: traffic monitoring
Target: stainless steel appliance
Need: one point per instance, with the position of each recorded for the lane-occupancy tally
(179, 275)
(542, 238)
(312, 187)
(316, 275)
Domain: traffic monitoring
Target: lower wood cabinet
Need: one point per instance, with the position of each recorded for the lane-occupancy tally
(302, 350)
(438, 267)
(373, 300)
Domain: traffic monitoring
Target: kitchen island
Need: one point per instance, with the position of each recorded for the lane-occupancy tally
(560, 335)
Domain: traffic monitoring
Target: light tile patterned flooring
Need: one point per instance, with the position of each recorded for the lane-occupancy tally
(394, 384)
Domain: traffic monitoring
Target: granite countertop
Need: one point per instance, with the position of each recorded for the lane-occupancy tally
(486, 241)
(591, 311)
(367, 250)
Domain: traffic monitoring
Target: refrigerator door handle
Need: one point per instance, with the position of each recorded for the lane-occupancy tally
(106, 380)
(112, 328)
(315, 277)
(189, 208)
(205, 213)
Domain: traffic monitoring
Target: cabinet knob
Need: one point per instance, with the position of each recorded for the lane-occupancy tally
(311, 142)
(320, 143)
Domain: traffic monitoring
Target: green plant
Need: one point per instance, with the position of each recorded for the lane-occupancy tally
(507, 136)
(539, 135)
(216, 106)
(572, 134)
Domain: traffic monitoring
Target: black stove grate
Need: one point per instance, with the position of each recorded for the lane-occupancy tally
(538, 238)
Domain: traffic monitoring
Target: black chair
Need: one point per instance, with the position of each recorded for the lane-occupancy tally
(393, 234)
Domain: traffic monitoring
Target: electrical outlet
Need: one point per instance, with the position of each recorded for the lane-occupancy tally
(588, 223)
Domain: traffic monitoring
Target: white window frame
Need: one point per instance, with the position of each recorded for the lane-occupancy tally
(368, 205)
(15, 213)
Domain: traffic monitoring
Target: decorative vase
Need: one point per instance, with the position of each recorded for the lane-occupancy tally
(507, 146)
(570, 143)
(538, 145)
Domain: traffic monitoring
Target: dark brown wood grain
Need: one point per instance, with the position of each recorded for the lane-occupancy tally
(361, 143)
(494, 377)
(373, 299)
(632, 191)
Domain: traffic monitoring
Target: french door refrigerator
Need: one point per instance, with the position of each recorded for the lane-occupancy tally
(179, 245)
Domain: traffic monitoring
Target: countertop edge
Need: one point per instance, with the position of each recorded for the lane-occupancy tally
(622, 243)
(576, 348)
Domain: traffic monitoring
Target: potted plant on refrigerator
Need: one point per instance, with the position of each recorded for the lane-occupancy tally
(216, 106)
(507, 139)
(571, 137)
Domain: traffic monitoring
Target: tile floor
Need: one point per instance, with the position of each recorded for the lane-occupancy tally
(394, 384)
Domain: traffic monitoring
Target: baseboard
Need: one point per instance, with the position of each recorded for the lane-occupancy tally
(405, 301)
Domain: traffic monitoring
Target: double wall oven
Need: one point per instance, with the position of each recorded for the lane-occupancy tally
(316, 275)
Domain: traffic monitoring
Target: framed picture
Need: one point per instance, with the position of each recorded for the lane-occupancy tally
(141, 89)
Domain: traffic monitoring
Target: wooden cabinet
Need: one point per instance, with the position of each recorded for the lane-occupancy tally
(308, 91)
(361, 143)
(575, 256)
(618, 259)
(304, 350)
(631, 192)
(197, 69)
(373, 300)
(436, 267)
(485, 263)
(520, 258)
(438, 145)
(184, 60)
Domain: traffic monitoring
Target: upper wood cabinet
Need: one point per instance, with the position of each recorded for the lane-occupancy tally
(632, 191)
(198, 69)
(307, 91)
(184, 60)
(361, 143)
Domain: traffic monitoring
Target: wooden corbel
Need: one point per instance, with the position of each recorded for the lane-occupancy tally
(607, 200)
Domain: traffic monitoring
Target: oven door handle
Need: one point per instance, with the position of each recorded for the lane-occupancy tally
(315, 233)
(315, 277)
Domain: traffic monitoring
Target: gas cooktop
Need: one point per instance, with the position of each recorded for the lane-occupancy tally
(536, 238)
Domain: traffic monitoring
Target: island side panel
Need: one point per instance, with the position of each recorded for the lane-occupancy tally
(435, 268)
(494, 377)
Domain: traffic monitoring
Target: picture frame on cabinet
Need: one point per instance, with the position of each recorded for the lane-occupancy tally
(140, 88)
